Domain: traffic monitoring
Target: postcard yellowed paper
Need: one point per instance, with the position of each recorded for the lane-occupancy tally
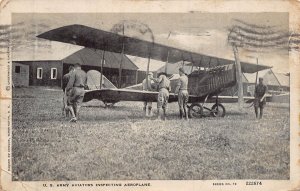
(149, 95)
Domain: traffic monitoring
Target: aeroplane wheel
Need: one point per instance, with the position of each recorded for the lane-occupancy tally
(218, 110)
(195, 110)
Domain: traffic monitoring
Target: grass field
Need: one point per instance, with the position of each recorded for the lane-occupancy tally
(119, 143)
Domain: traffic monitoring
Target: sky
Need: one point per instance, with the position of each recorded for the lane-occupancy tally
(205, 33)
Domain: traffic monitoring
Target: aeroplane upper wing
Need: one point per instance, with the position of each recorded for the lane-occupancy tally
(112, 42)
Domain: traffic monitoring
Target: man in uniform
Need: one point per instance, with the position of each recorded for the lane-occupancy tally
(183, 95)
(76, 85)
(260, 97)
(148, 87)
(163, 94)
(65, 80)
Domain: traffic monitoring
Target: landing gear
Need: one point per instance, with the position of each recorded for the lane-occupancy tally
(218, 110)
(197, 110)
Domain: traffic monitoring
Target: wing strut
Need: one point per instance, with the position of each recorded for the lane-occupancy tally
(102, 62)
(256, 75)
(148, 65)
(167, 62)
(121, 62)
(192, 62)
(238, 76)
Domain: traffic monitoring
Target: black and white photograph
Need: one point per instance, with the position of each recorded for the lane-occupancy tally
(117, 100)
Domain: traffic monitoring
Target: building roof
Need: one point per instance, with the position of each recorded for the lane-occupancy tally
(41, 54)
(270, 78)
(284, 79)
(93, 57)
(252, 76)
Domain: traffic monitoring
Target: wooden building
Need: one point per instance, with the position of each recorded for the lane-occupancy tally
(20, 74)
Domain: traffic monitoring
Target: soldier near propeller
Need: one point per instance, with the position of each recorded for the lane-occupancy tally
(163, 94)
(183, 94)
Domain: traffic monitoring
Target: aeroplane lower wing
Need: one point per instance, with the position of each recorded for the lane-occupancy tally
(234, 99)
(116, 95)
(103, 40)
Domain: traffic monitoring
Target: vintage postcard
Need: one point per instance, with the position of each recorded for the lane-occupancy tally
(149, 95)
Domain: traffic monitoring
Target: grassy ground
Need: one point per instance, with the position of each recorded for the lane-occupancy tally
(119, 143)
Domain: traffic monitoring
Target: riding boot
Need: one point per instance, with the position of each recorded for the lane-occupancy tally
(185, 114)
(76, 110)
(256, 111)
(164, 114)
(144, 109)
(181, 114)
(147, 112)
(261, 113)
(158, 114)
(150, 112)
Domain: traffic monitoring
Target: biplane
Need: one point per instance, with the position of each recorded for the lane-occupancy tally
(204, 85)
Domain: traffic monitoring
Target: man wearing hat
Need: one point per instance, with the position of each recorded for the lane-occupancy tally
(76, 84)
(163, 94)
(183, 95)
(260, 97)
(148, 87)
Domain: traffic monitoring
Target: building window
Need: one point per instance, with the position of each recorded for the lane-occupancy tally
(39, 73)
(17, 69)
(53, 73)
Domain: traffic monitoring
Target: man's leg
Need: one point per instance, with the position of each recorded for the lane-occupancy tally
(256, 105)
(256, 111)
(185, 112)
(64, 106)
(149, 104)
(180, 104)
(65, 111)
(158, 114)
(180, 108)
(78, 104)
(261, 111)
(186, 99)
(70, 109)
(165, 105)
(145, 108)
(159, 104)
(79, 99)
(164, 113)
(180, 113)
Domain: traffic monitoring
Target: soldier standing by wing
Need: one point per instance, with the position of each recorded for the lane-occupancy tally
(66, 109)
(163, 94)
(148, 87)
(76, 85)
(183, 95)
(260, 97)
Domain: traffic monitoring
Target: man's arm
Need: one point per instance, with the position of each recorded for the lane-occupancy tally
(255, 90)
